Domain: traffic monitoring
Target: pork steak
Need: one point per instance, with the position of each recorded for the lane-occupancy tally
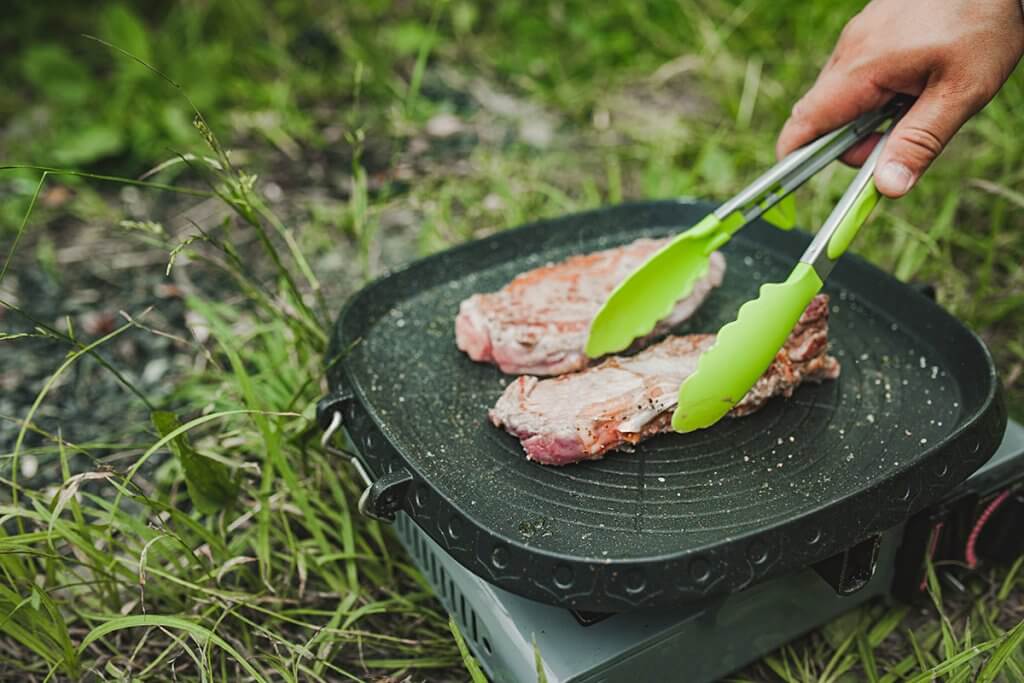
(626, 399)
(538, 323)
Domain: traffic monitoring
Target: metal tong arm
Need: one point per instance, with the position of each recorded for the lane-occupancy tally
(850, 212)
(803, 163)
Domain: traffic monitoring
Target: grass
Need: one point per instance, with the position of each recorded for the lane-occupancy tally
(222, 543)
(287, 578)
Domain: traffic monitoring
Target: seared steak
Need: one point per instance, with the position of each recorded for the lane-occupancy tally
(538, 323)
(626, 399)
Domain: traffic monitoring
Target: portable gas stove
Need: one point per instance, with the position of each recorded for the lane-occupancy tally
(696, 553)
(705, 641)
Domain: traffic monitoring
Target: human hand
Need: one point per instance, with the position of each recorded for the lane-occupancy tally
(954, 55)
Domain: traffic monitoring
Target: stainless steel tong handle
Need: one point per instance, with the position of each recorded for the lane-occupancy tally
(853, 208)
(803, 163)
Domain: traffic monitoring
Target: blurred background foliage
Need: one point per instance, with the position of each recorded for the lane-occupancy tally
(377, 131)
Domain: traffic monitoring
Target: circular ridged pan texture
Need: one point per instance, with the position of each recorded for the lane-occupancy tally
(915, 410)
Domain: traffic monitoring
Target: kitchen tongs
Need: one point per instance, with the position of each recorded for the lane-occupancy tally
(744, 348)
(650, 292)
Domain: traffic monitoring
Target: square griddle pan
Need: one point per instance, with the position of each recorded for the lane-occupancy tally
(916, 410)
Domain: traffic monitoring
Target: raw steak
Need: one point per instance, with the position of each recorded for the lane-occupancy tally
(626, 399)
(538, 323)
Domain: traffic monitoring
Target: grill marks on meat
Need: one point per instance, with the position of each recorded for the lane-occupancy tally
(625, 400)
(538, 323)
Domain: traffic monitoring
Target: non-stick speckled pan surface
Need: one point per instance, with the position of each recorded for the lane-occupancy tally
(916, 410)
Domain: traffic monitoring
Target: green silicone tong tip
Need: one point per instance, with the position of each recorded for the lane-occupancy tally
(745, 348)
(648, 295)
(651, 292)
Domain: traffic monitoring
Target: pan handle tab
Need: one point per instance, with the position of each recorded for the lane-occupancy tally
(330, 404)
(382, 499)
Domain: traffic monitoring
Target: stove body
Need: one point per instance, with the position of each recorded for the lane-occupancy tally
(708, 640)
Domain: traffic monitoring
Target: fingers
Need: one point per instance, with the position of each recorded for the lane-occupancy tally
(920, 136)
(834, 100)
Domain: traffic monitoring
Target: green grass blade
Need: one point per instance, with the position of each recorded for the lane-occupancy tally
(24, 222)
(952, 664)
(422, 55)
(476, 674)
(542, 676)
(47, 386)
(1012, 643)
(1011, 578)
(867, 658)
(200, 633)
(52, 171)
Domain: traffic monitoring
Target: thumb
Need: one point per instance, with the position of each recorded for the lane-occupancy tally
(920, 136)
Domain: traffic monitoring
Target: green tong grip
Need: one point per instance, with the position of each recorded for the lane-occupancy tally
(650, 293)
(850, 225)
(743, 350)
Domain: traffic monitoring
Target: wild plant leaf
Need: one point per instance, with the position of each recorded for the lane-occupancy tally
(85, 145)
(464, 16)
(55, 73)
(176, 120)
(407, 37)
(717, 167)
(209, 482)
(122, 27)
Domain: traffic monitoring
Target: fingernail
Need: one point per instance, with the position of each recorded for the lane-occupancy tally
(894, 177)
